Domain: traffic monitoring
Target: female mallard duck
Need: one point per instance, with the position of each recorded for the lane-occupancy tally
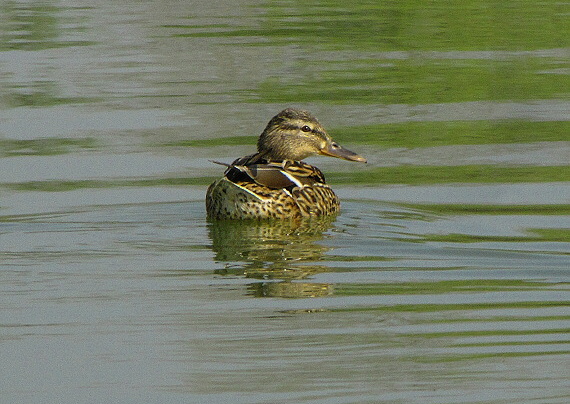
(274, 182)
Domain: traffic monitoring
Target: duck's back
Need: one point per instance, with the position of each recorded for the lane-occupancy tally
(270, 190)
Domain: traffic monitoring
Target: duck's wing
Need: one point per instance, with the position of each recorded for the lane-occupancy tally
(274, 175)
(308, 173)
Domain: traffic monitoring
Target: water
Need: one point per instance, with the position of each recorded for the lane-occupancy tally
(444, 279)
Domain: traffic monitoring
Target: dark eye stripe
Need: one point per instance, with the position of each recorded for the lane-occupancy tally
(297, 127)
(316, 131)
(290, 127)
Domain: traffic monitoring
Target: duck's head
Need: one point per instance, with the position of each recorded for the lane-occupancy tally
(294, 134)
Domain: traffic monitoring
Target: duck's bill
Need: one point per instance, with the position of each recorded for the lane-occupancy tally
(335, 150)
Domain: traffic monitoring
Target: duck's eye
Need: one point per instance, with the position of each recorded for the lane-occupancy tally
(335, 145)
(306, 128)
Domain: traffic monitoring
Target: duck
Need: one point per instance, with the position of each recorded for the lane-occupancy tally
(275, 182)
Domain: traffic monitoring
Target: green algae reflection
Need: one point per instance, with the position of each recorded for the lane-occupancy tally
(371, 25)
(38, 25)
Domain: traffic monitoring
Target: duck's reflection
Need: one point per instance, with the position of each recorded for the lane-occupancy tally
(273, 250)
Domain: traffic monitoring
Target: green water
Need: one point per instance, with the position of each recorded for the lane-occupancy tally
(443, 280)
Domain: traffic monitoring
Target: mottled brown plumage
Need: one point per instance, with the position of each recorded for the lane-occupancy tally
(274, 183)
